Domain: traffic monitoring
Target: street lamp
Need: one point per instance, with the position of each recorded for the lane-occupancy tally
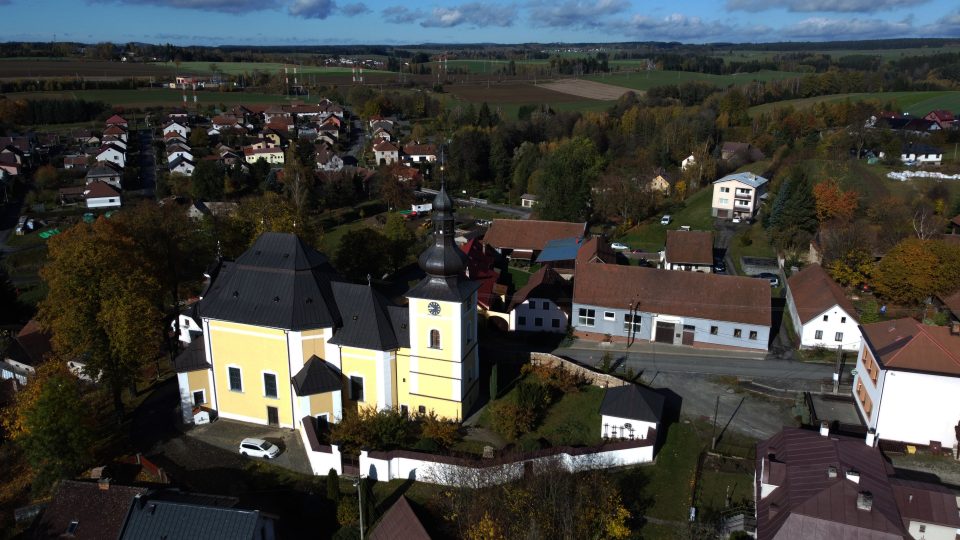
(360, 502)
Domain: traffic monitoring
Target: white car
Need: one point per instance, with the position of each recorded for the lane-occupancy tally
(618, 246)
(736, 219)
(665, 220)
(252, 447)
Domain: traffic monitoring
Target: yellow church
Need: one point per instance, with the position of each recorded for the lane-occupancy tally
(283, 338)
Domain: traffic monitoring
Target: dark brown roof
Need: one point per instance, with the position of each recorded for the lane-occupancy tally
(32, 344)
(955, 220)
(99, 514)
(929, 503)
(690, 294)
(530, 234)
(419, 149)
(400, 522)
(595, 249)
(690, 247)
(814, 292)
(544, 283)
(952, 302)
(908, 345)
(385, 146)
(97, 189)
(809, 501)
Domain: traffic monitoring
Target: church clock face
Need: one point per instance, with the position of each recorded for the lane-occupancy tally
(433, 308)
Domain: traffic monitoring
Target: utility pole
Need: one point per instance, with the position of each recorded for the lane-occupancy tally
(716, 410)
(836, 370)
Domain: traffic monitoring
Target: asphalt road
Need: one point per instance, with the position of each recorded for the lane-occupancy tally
(649, 357)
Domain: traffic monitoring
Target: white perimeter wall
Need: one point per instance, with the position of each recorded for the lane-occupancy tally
(919, 408)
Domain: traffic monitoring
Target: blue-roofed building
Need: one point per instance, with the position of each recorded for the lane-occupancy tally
(738, 195)
(561, 254)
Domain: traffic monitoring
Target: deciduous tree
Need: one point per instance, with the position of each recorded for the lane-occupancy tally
(833, 202)
(568, 174)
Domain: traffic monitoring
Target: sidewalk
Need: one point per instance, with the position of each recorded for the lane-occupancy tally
(649, 347)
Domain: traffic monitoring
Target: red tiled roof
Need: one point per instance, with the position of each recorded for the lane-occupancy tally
(98, 189)
(908, 345)
(385, 146)
(420, 150)
(690, 247)
(116, 119)
(595, 249)
(544, 283)
(689, 294)
(953, 303)
(814, 292)
(99, 513)
(530, 234)
(400, 522)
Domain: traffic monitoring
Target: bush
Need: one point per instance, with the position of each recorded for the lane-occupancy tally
(348, 512)
(376, 429)
(746, 239)
(511, 420)
(555, 377)
(443, 433)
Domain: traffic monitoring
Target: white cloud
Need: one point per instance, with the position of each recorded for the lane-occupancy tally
(402, 14)
(312, 9)
(826, 28)
(675, 27)
(223, 6)
(836, 6)
(474, 14)
(574, 13)
(351, 10)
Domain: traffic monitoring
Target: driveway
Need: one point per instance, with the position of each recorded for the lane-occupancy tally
(227, 434)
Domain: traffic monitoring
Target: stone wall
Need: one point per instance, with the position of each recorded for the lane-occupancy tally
(596, 378)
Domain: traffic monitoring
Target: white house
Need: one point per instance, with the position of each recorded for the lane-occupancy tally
(688, 162)
(385, 153)
(179, 153)
(821, 312)
(528, 200)
(691, 251)
(630, 412)
(907, 381)
(543, 304)
(420, 153)
(182, 166)
(176, 127)
(327, 160)
(738, 195)
(921, 154)
(273, 156)
(113, 154)
(101, 195)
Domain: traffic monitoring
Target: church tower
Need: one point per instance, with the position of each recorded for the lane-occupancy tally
(443, 368)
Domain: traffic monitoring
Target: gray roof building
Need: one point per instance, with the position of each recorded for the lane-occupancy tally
(365, 319)
(633, 402)
(150, 519)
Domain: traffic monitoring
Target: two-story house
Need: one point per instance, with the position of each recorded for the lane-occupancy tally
(738, 195)
(385, 152)
(821, 312)
(907, 381)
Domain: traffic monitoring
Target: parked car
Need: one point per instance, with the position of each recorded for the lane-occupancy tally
(736, 219)
(665, 220)
(253, 447)
(773, 278)
(619, 247)
(719, 266)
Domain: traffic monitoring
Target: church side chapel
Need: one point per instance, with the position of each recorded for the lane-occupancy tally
(285, 338)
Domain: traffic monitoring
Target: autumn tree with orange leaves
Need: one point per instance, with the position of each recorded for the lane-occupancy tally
(833, 203)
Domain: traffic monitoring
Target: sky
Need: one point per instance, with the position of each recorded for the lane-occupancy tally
(325, 22)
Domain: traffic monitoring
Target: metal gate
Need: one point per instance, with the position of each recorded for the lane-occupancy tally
(665, 332)
(688, 331)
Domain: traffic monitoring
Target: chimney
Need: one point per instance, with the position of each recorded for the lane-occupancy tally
(955, 328)
(864, 501)
(831, 472)
(104, 484)
(853, 476)
(824, 429)
(871, 439)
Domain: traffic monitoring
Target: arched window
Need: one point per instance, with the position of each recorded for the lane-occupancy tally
(434, 339)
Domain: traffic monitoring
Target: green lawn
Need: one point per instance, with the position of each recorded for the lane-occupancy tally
(651, 236)
(648, 79)
(153, 96)
(236, 68)
(520, 277)
(915, 103)
(671, 479)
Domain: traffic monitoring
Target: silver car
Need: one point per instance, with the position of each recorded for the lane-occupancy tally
(253, 447)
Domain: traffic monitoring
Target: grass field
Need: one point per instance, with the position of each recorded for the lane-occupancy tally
(236, 68)
(651, 236)
(915, 103)
(885, 54)
(648, 79)
(146, 97)
(17, 68)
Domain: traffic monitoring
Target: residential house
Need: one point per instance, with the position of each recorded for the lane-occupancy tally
(199, 209)
(178, 151)
(385, 152)
(286, 343)
(481, 268)
(921, 154)
(630, 411)
(399, 522)
(377, 122)
(105, 171)
(420, 153)
(951, 304)
(24, 144)
(908, 380)
(306, 112)
(525, 239)
(307, 134)
(178, 114)
(101, 195)
(112, 153)
(409, 175)
(181, 129)
(689, 251)
(821, 312)
(117, 120)
(226, 121)
(9, 164)
(13, 154)
(560, 254)
(327, 160)
(918, 126)
(661, 182)
(272, 138)
(822, 486)
(113, 140)
(273, 156)
(275, 113)
(330, 131)
(284, 125)
(75, 161)
(116, 130)
(528, 200)
(688, 162)
(744, 152)
(28, 349)
(944, 119)
(543, 304)
(629, 303)
(86, 137)
(738, 195)
(85, 511)
(182, 165)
